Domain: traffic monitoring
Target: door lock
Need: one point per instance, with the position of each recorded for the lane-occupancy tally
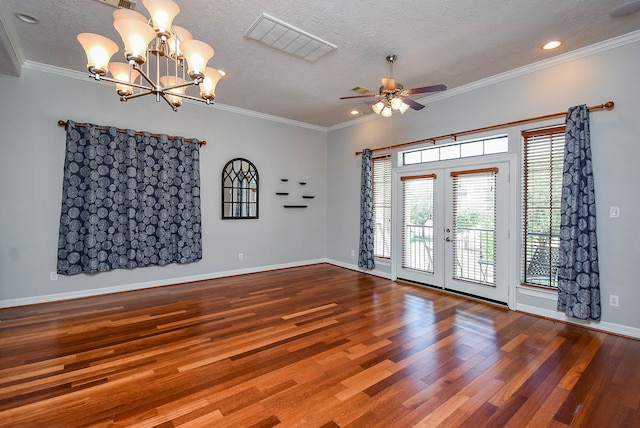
(448, 239)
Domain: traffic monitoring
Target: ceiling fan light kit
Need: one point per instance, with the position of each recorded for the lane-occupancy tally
(392, 96)
(179, 61)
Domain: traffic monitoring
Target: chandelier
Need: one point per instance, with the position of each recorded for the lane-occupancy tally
(162, 59)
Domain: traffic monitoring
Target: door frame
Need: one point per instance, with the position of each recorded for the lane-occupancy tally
(513, 254)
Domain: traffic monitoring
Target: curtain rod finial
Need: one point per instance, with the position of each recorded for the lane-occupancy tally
(62, 123)
(608, 105)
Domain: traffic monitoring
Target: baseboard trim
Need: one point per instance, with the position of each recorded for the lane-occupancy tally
(350, 266)
(607, 327)
(150, 284)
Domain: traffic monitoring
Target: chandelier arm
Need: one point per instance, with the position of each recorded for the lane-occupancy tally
(164, 97)
(123, 82)
(179, 85)
(192, 98)
(145, 76)
(138, 95)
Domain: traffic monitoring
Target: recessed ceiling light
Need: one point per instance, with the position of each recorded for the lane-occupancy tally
(551, 45)
(26, 18)
(354, 112)
(625, 9)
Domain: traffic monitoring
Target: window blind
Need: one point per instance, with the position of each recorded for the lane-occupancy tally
(474, 225)
(382, 206)
(543, 157)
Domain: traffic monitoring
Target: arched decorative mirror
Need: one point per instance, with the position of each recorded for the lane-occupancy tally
(239, 190)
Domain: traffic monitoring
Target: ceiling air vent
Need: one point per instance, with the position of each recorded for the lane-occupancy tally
(285, 37)
(124, 4)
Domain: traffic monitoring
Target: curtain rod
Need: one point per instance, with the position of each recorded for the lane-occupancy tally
(63, 123)
(606, 106)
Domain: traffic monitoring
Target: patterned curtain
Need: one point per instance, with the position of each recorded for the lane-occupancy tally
(365, 259)
(578, 274)
(128, 200)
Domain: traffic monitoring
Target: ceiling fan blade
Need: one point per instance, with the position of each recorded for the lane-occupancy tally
(388, 83)
(413, 104)
(424, 89)
(359, 96)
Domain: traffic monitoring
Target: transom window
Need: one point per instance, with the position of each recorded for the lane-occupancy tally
(465, 149)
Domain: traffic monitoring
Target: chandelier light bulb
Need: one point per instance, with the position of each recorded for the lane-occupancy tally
(123, 13)
(179, 35)
(175, 100)
(122, 71)
(136, 36)
(99, 51)
(386, 112)
(197, 54)
(403, 107)
(208, 85)
(162, 14)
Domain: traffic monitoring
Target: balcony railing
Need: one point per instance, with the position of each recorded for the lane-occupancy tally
(474, 256)
(417, 251)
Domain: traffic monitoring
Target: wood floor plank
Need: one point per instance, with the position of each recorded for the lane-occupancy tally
(312, 346)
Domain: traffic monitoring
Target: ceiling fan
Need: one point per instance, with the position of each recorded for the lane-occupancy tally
(393, 96)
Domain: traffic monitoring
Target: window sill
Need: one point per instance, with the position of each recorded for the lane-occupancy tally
(546, 293)
(382, 261)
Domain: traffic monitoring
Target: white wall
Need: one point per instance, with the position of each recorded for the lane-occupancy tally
(32, 148)
(609, 71)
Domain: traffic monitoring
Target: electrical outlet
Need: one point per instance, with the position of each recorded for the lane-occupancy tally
(613, 300)
(53, 276)
(353, 253)
(614, 212)
(240, 256)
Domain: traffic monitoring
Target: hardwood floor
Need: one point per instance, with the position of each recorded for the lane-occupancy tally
(315, 346)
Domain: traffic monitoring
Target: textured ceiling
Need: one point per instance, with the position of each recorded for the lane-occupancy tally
(453, 42)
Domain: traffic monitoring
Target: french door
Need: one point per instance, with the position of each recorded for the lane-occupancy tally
(453, 228)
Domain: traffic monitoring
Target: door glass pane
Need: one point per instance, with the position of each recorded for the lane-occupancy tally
(474, 226)
(417, 223)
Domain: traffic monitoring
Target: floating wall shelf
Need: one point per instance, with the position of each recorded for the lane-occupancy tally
(301, 183)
